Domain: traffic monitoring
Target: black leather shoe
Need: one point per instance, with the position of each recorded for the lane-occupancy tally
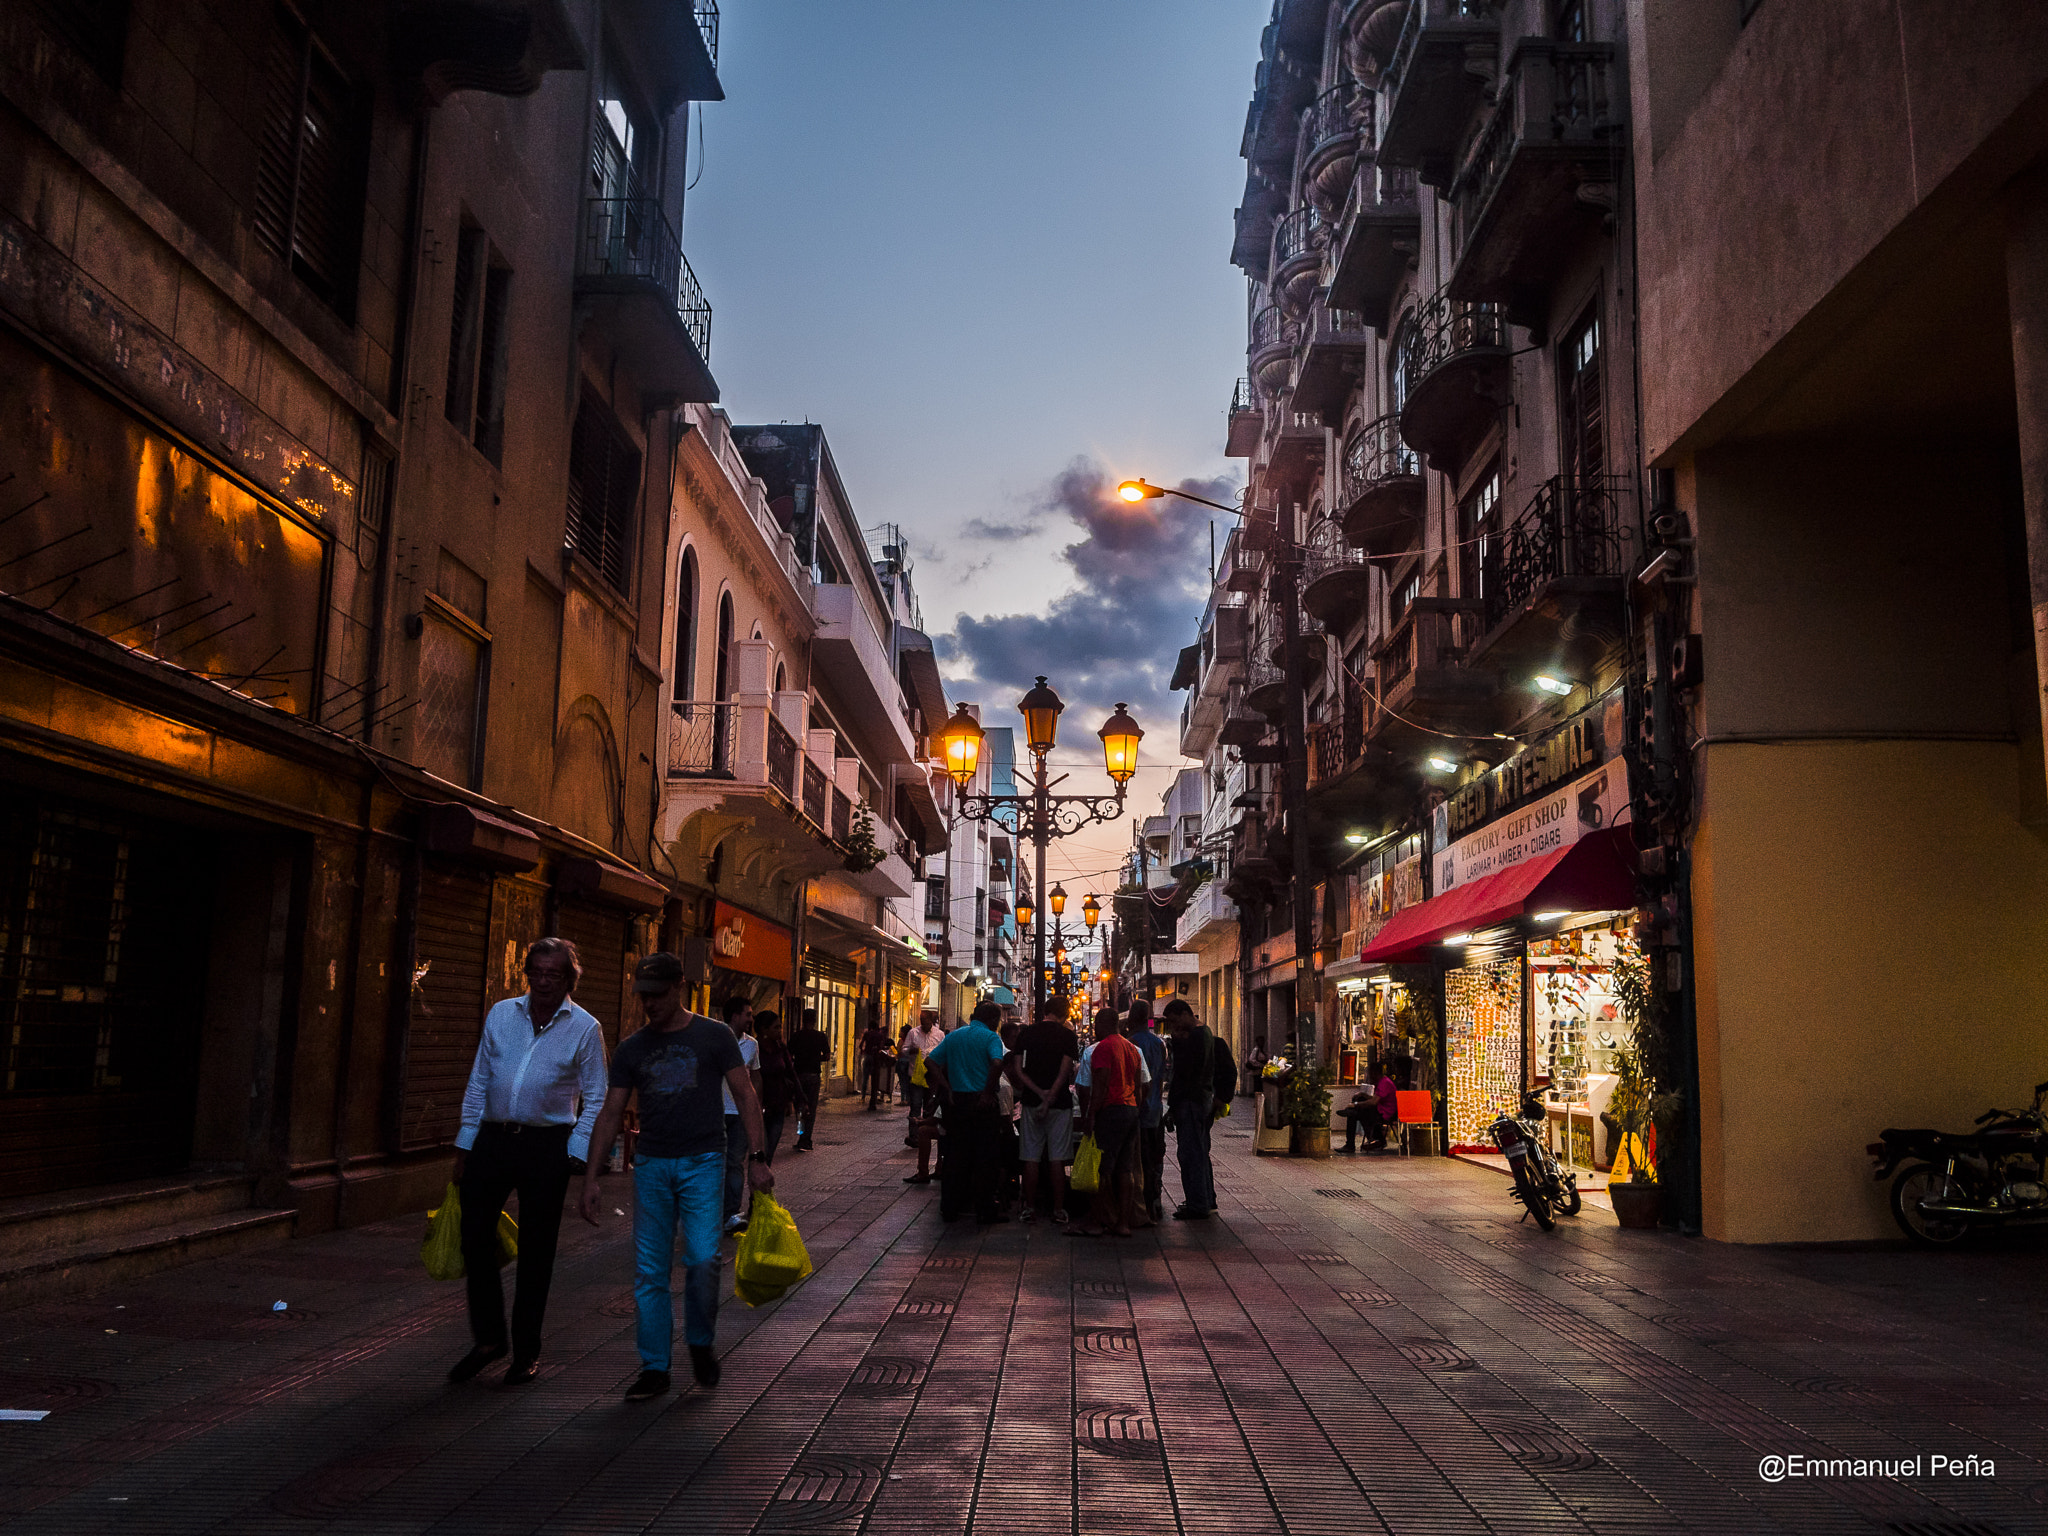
(704, 1365)
(919, 1178)
(650, 1385)
(473, 1362)
(520, 1372)
(1188, 1213)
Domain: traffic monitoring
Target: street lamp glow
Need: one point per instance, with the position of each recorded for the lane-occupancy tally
(1058, 897)
(1357, 839)
(960, 746)
(1443, 765)
(1025, 912)
(1041, 711)
(1120, 737)
(1553, 685)
(1091, 911)
(1138, 490)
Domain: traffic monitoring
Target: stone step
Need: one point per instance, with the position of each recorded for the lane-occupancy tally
(33, 1224)
(110, 1258)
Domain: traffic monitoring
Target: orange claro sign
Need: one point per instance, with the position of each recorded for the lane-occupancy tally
(740, 941)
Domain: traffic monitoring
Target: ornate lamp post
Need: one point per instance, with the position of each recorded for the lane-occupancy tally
(1041, 815)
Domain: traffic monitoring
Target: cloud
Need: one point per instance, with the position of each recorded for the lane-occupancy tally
(1003, 533)
(1143, 575)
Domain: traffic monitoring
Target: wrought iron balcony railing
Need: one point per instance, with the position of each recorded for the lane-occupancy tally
(1294, 236)
(1375, 455)
(1422, 13)
(707, 25)
(701, 738)
(782, 756)
(631, 237)
(1559, 96)
(817, 793)
(1325, 550)
(1447, 329)
(1570, 528)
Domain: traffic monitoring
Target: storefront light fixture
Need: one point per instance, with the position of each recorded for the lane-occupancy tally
(1549, 917)
(1555, 685)
(1459, 938)
(1357, 839)
(1443, 764)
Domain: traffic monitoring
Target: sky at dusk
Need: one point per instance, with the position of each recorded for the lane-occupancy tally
(987, 246)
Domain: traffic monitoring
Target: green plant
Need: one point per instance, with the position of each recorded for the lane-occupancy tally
(1643, 1095)
(1305, 1096)
(863, 853)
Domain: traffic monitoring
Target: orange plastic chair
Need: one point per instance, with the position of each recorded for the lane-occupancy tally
(1413, 1107)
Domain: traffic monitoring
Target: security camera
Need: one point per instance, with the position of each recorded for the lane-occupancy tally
(1671, 528)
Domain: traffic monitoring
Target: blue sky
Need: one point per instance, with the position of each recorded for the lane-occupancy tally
(986, 244)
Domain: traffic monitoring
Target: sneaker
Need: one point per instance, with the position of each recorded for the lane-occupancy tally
(736, 1223)
(472, 1363)
(650, 1384)
(704, 1365)
(1028, 1214)
(1060, 1216)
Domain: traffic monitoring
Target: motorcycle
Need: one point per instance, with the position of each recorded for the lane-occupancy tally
(1952, 1184)
(1545, 1190)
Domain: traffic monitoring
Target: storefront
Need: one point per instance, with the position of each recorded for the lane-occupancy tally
(1534, 889)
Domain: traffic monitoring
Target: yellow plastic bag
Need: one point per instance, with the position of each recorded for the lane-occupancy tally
(1087, 1176)
(771, 1255)
(442, 1251)
(917, 1077)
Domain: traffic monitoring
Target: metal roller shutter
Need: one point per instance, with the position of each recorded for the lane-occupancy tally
(448, 1002)
(599, 935)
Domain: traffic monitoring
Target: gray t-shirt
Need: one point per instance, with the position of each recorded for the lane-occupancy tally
(678, 1074)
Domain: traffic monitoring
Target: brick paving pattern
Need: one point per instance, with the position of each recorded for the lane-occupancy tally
(1359, 1346)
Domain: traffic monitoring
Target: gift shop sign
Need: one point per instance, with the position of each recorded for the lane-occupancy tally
(1557, 820)
(1582, 743)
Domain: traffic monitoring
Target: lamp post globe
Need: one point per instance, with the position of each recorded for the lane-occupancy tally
(1057, 896)
(1120, 737)
(1041, 711)
(1025, 912)
(1091, 912)
(960, 746)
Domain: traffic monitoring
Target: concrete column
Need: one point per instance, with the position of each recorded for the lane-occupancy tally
(2026, 282)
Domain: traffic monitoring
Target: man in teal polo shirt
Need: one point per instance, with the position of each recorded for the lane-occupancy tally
(962, 1070)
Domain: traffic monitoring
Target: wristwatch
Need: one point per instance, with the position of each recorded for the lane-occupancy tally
(757, 1157)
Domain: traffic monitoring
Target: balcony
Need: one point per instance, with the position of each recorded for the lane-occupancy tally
(1294, 447)
(1379, 233)
(1297, 258)
(1208, 911)
(1241, 436)
(1335, 129)
(1443, 66)
(1271, 354)
(1541, 171)
(1425, 685)
(1247, 569)
(1265, 685)
(850, 656)
(1332, 352)
(1335, 580)
(1382, 500)
(1456, 377)
(1552, 583)
(504, 47)
(674, 48)
(1354, 782)
(633, 282)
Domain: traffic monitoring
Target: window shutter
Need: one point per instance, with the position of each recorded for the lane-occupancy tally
(604, 477)
(490, 388)
(469, 259)
(277, 165)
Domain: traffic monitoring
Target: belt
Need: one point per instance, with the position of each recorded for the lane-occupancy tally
(520, 1127)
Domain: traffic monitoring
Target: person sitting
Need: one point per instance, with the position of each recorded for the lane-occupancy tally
(1363, 1112)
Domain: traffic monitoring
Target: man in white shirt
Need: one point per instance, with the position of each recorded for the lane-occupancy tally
(918, 1044)
(533, 1095)
(739, 1018)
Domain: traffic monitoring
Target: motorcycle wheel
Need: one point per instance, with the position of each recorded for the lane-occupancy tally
(1533, 1197)
(1917, 1182)
(1569, 1201)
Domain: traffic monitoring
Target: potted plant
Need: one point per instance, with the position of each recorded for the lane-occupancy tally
(1305, 1105)
(863, 853)
(1640, 1100)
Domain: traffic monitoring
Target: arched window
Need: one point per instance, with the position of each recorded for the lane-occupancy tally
(686, 627)
(780, 677)
(722, 684)
(1397, 369)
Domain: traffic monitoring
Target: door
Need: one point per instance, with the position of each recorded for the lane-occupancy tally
(451, 954)
(599, 934)
(1581, 417)
(105, 923)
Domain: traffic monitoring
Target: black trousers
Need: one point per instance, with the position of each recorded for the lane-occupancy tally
(808, 1087)
(971, 1176)
(1363, 1117)
(535, 1163)
(1152, 1145)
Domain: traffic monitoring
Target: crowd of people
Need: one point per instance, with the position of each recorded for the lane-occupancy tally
(697, 1107)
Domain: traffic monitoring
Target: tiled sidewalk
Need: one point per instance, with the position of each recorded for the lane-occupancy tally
(1355, 1346)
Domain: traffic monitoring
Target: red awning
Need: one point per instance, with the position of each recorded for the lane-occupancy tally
(1595, 874)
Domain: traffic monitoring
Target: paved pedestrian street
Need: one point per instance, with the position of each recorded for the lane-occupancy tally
(1361, 1345)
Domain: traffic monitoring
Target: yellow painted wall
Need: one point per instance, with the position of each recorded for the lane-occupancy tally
(1871, 950)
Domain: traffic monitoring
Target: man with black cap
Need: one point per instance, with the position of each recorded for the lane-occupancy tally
(677, 1065)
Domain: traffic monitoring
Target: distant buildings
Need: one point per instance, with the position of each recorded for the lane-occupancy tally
(1643, 437)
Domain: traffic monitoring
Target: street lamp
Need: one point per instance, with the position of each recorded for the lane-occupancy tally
(960, 747)
(1025, 912)
(1091, 912)
(1040, 815)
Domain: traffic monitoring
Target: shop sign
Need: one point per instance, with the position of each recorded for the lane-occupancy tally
(1381, 896)
(1582, 743)
(1599, 799)
(740, 941)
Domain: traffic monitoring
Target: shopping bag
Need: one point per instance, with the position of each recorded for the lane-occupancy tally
(771, 1255)
(917, 1076)
(442, 1251)
(1087, 1176)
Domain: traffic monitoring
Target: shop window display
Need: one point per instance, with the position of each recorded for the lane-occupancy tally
(1482, 1048)
(1576, 1027)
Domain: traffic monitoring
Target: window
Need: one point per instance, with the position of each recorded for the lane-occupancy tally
(622, 143)
(476, 344)
(308, 202)
(1478, 534)
(1569, 25)
(781, 677)
(1403, 598)
(604, 477)
(935, 899)
(686, 627)
(1397, 369)
(722, 682)
(453, 658)
(1580, 417)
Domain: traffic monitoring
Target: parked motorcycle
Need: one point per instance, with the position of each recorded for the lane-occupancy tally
(1951, 1185)
(1546, 1190)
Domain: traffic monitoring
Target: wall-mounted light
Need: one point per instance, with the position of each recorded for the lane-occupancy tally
(1554, 685)
(1459, 938)
(1443, 765)
(1357, 839)
(1549, 917)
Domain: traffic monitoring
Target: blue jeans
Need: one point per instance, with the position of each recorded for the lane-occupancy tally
(668, 1191)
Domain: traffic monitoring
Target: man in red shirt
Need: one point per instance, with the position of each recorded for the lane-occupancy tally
(1112, 1081)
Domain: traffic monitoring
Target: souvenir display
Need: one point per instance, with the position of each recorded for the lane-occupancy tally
(1482, 1047)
